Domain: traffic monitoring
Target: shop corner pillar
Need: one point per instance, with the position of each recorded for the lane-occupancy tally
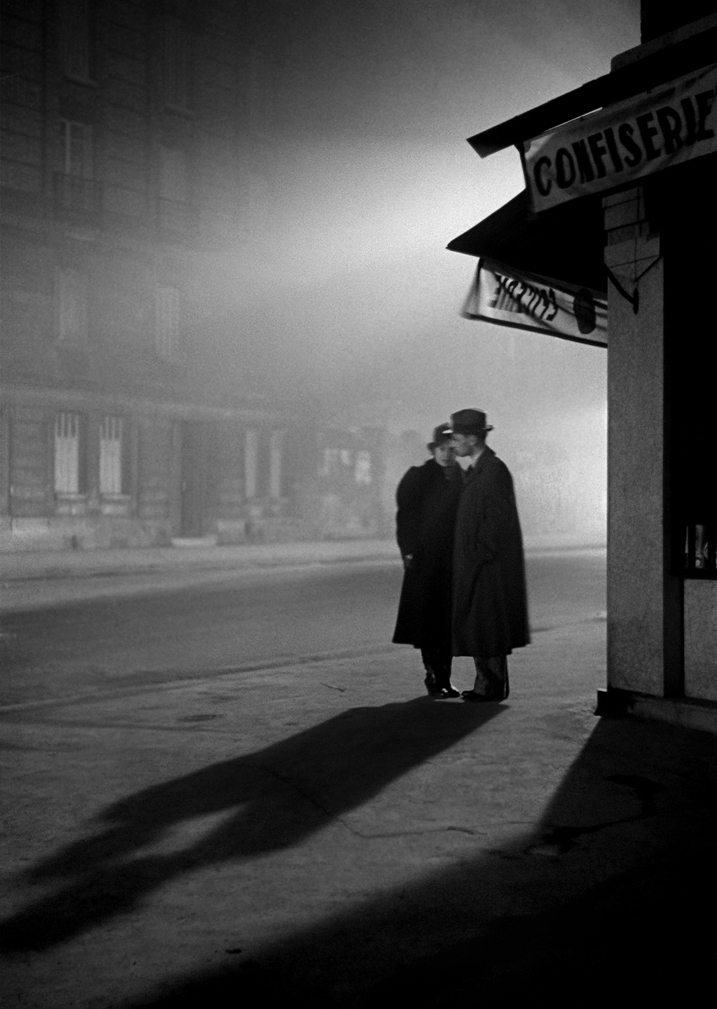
(644, 599)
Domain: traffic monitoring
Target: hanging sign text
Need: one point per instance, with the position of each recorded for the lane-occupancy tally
(510, 297)
(666, 126)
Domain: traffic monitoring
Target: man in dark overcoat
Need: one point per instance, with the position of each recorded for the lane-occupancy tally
(427, 497)
(490, 609)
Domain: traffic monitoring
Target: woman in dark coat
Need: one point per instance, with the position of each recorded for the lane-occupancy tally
(427, 498)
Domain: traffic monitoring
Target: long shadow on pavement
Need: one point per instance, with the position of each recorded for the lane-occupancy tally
(612, 896)
(280, 795)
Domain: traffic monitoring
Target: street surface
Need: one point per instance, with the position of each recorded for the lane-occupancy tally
(235, 792)
(246, 622)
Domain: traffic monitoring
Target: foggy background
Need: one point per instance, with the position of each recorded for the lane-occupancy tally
(339, 267)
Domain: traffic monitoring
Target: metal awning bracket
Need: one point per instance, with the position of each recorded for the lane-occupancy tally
(634, 298)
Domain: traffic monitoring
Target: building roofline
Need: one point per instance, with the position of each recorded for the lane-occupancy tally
(663, 42)
(654, 69)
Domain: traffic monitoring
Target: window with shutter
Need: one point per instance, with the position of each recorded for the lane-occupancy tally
(69, 477)
(111, 444)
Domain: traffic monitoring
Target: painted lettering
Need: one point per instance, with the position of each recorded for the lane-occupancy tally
(554, 302)
(543, 185)
(506, 303)
(690, 121)
(647, 132)
(704, 106)
(671, 125)
(625, 134)
(598, 151)
(564, 168)
(501, 299)
(537, 302)
(545, 298)
(612, 148)
(583, 161)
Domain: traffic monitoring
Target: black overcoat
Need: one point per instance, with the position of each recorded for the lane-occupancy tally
(490, 609)
(427, 497)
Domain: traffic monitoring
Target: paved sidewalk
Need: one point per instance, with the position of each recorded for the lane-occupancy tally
(86, 563)
(39, 579)
(47, 579)
(326, 835)
(21, 565)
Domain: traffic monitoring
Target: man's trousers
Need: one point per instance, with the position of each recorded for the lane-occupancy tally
(492, 676)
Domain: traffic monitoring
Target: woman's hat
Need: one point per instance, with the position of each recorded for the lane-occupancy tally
(441, 435)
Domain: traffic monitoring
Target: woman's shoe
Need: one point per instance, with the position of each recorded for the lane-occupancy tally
(449, 691)
(431, 686)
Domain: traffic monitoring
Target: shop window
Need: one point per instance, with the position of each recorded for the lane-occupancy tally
(72, 299)
(75, 23)
(175, 63)
(167, 322)
(700, 552)
(112, 453)
(69, 453)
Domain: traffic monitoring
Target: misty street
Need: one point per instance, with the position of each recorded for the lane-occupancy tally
(237, 789)
(249, 622)
(358, 525)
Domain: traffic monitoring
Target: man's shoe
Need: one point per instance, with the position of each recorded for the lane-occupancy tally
(471, 695)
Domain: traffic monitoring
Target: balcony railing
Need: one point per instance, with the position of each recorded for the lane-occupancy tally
(700, 550)
(78, 199)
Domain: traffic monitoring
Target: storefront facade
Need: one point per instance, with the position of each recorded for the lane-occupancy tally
(620, 207)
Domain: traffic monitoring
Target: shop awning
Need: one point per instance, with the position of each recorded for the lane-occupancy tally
(565, 244)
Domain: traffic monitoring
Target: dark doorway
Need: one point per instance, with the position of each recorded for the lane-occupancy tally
(198, 462)
(690, 214)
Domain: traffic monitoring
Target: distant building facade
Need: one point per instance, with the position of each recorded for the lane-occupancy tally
(133, 154)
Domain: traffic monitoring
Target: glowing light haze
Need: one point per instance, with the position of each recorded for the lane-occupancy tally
(342, 268)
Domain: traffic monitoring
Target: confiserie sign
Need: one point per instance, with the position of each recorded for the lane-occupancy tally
(510, 297)
(666, 126)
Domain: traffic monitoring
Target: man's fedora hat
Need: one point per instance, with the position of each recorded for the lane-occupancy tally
(441, 435)
(469, 422)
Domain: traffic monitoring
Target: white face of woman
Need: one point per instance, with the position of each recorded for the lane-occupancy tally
(445, 454)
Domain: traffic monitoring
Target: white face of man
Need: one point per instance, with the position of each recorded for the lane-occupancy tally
(444, 454)
(463, 444)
